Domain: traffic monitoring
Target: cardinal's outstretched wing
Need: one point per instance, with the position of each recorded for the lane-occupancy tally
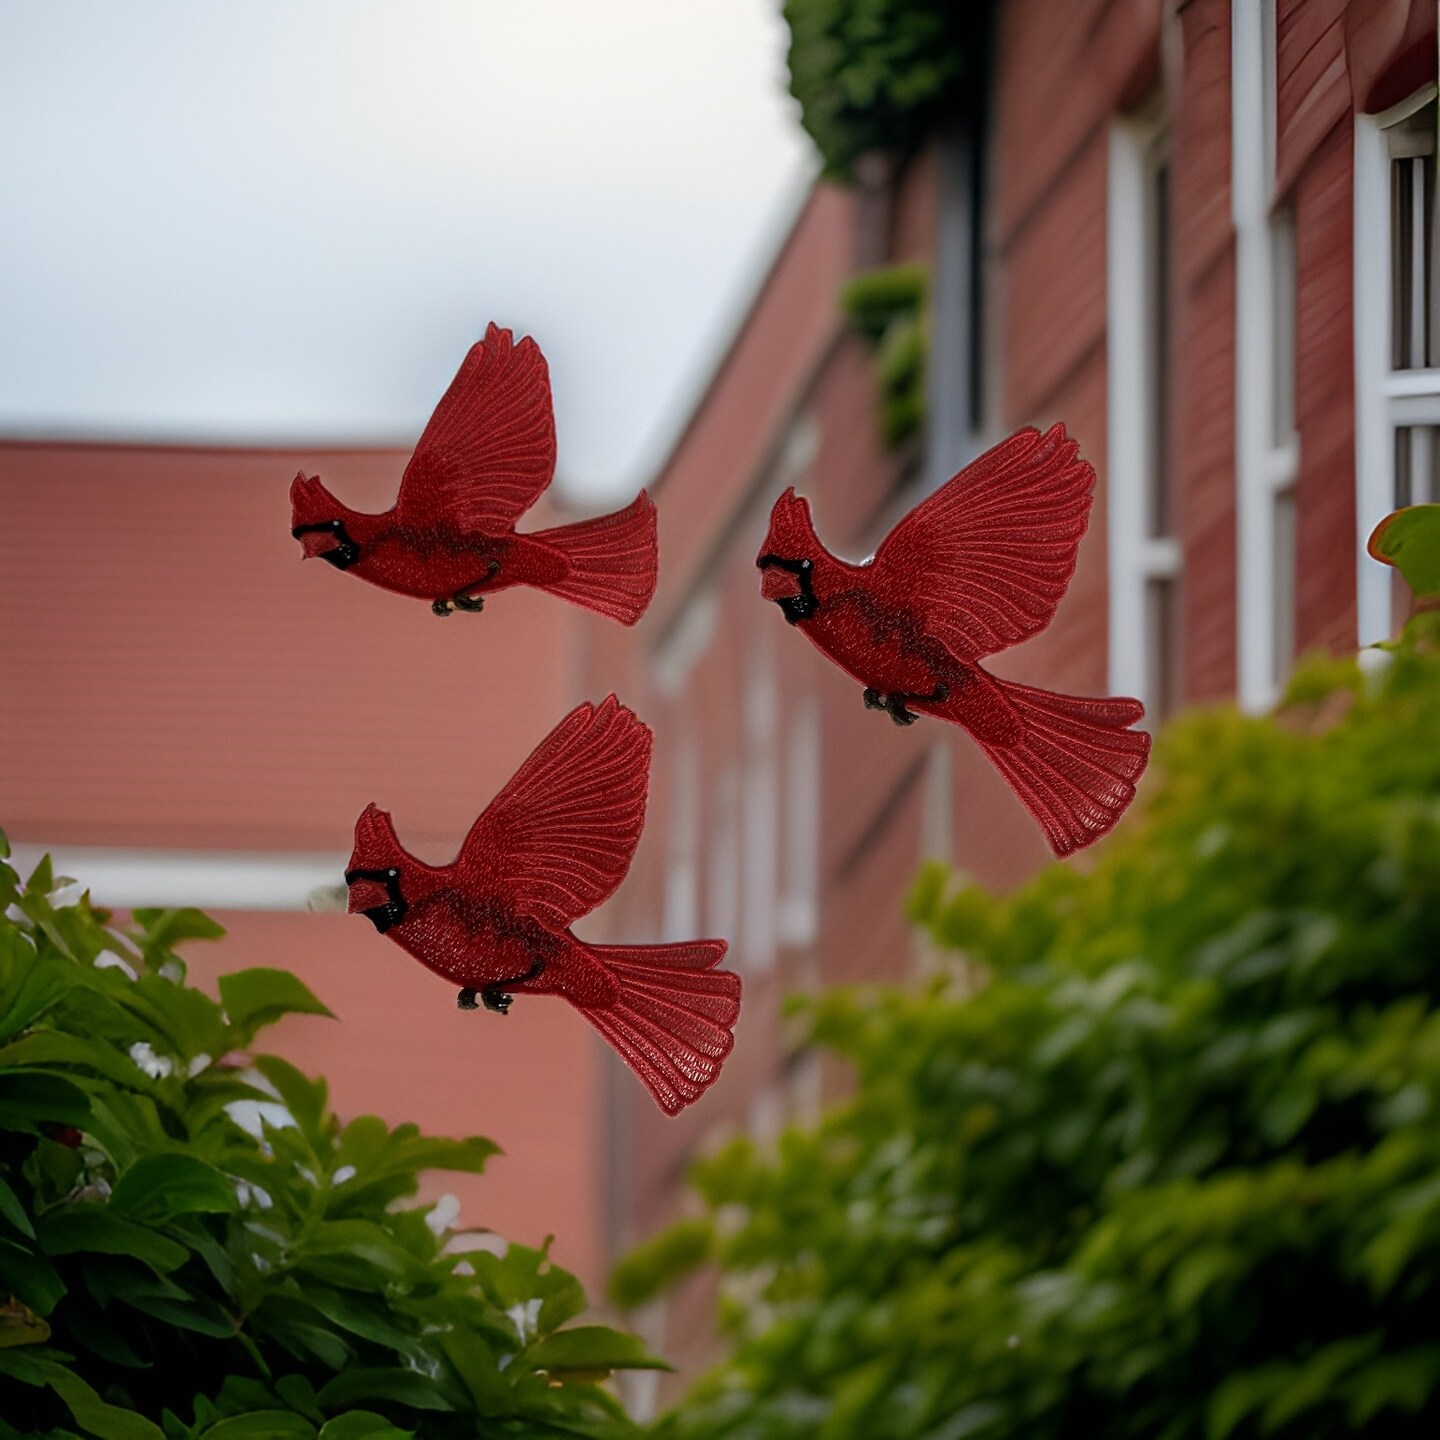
(986, 558)
(558, 839)
(489, 449)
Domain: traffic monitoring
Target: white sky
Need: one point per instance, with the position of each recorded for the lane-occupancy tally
(285, 220)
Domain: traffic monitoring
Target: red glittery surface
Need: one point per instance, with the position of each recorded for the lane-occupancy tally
(554, 843)
(485, 457)
(978, 566)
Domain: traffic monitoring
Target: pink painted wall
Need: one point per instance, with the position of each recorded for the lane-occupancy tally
(533, 1080)
(171, 675)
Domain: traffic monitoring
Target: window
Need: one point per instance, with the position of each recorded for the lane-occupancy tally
(1144, 554)
(760, 804)
(798, 919)
(722, 880)
(1397, 337)
(954, 378)
(1267, 450)
(682, 874)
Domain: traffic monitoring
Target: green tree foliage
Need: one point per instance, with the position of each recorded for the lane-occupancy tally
(1161, 1157)
(875, 74)
(1409, 540)
(192, 1245)
(887, 308)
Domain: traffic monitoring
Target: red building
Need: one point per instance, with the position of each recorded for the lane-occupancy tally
(1202, 235)
(1199, 233)
(192, 716)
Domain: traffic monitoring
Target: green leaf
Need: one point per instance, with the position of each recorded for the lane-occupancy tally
(48, 1047)
(299, 1394)
(14, 1211)
(363, 1425)
(476, 1363)
(304, 1098)
(1409, 539)
(31, 1278)
(255, 998)
(389, 1383)
(158, 1188)
(160, 931)
(19, 1325)
(660, 1261)
(94, 1228)
(30, 1099)
(31, 986)
(592, 1347)
(262, 1425)
(92, 1414)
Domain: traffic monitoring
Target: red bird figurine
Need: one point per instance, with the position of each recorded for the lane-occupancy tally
(485, 458)
(552, 845)
(979, 565)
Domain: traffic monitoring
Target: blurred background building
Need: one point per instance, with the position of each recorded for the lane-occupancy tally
(1200, 234)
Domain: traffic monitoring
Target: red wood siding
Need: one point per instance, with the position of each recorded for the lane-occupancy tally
(1312, 87)
(1325, 397)
(1202, 454)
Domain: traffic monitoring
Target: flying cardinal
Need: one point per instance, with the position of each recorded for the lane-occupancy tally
(485, 458)
(554, 843)
(978, 566)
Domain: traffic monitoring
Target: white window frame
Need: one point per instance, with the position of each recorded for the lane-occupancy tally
(1266, 464)
(1386, 399)
(1135, 556)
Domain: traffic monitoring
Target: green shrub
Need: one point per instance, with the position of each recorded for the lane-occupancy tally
(876, 74)
(887, 308)
(166, 1271)
(1162, 1157)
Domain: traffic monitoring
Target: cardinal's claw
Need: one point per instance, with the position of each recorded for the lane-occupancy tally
(495, 999)
(463, 600)
(873, 699)
(443, 607)
(465, 1000)
(895, 704)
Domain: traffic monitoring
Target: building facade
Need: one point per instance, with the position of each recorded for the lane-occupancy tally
(192, 716)
(1200, 234)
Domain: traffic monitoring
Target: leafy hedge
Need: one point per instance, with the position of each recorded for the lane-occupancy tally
(192, 1245)
(1161, 1157)
(876, 74)
(887, 308)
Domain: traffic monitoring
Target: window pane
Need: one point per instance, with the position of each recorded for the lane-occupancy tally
(1417, 464)
(1282, 320)
(1412, 241)
(1162, 658)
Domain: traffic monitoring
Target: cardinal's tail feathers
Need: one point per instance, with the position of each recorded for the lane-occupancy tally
(1076, 763)
(613, 561)
(671, 1021)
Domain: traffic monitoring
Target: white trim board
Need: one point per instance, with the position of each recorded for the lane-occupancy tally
(1265, 465)
(1134, 556)
(211, 879)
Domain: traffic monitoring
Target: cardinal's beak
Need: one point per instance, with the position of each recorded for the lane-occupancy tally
(315, 543)
(777, 584)
(365, 895)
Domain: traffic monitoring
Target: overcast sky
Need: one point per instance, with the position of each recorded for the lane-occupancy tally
(287, 219)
